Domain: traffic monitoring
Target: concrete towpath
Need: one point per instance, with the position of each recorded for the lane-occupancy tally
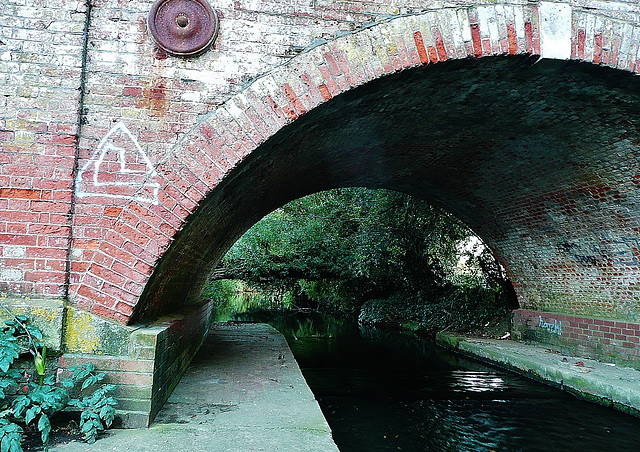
(243, 392)
(604, 383)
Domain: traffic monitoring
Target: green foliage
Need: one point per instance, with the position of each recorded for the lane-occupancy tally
(37, 402)
(97, 409)
(338, 249)
(221, 292)
(231, 297)
(10, 436)
(454, 308)
(9, 350)
(15, 336)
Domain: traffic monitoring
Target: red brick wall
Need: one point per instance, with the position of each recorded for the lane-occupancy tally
(40, 67)
(113, 256)
(583, 336)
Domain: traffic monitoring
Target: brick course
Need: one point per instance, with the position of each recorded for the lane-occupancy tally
(40, 66)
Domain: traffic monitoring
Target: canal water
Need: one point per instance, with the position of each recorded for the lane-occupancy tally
(389, 392)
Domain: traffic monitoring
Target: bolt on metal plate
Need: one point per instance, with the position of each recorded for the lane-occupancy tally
(183, 27)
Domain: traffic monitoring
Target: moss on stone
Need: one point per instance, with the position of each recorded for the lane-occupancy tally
(87, 333)
(448, 340)
(45, 314)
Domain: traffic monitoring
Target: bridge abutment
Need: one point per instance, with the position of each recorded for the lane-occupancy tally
(144, 361)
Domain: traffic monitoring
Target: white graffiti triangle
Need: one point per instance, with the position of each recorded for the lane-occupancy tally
(118, 168)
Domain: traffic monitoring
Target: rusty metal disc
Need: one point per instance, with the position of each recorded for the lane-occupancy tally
(183, 27)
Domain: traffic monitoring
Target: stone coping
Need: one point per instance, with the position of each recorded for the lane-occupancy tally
(604, 383)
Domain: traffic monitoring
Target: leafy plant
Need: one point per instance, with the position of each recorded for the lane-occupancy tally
(97, 407)
(10, 436)
(36, 402)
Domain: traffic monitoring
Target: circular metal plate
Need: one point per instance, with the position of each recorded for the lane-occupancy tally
(183, 27)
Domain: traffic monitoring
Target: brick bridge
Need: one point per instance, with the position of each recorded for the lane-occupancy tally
(126, 172)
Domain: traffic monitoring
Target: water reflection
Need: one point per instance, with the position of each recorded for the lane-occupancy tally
(469, 381)
(243, 303)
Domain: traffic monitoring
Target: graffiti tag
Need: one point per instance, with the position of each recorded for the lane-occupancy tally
(118, 168)
(555, 327)
(622, 250)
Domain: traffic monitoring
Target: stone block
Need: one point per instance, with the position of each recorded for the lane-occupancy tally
(46, 314)
(87, 333)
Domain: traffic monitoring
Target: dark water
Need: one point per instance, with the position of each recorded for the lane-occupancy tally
(384, 392)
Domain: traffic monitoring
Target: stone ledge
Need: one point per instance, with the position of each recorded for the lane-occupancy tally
(603, 383)
(87, 333)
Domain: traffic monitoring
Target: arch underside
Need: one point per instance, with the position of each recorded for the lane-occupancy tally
(539, 157)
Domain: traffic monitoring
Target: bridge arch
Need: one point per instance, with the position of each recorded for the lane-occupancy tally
(559, 212)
